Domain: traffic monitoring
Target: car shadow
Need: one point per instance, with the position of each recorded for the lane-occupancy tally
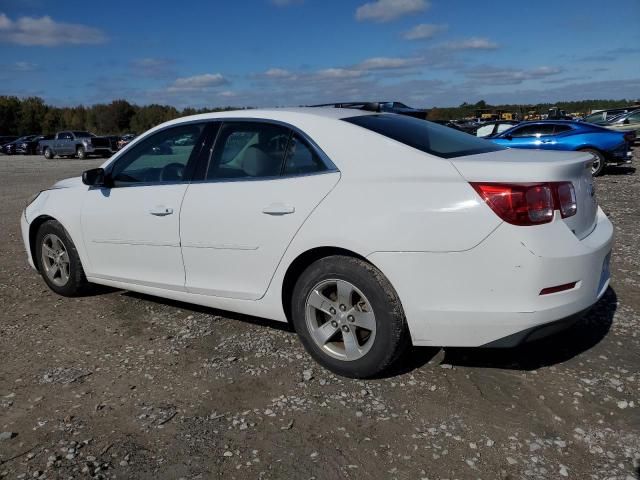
(622, 170)
(190, 307)
(557, 348)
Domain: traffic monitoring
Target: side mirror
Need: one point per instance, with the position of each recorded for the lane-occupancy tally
(94, 177)
(508, 136)
(626, 121)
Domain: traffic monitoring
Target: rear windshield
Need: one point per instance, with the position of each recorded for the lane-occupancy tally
(426, 136)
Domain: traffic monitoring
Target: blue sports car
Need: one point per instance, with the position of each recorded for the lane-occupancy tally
(607, 147)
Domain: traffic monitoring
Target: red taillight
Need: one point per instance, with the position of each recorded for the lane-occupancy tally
(566, 199)
(527, 203)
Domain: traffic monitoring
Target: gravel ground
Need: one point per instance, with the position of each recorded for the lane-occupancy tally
(121, 385)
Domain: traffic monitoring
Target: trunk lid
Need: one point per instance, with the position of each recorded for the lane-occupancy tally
(536, 166)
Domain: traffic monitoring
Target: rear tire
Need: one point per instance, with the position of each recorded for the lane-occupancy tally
(58, 261)
(81, 153)
(48, 154)
(349, 317)
(598, 163)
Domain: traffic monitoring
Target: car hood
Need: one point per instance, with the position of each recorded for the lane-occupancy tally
(68, 183)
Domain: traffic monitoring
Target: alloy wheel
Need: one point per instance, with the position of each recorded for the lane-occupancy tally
(340, 319)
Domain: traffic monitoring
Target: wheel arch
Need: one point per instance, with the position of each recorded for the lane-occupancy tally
(34, 226)
(300, 263)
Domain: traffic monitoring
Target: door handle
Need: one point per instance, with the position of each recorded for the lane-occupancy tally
(278, 209)
(161, 211)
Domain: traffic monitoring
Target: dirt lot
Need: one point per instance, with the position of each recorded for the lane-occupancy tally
(120, 385)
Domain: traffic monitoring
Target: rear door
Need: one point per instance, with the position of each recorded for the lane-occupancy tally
(261, 183)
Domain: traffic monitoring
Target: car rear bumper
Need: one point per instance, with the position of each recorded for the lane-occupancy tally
(493, 291)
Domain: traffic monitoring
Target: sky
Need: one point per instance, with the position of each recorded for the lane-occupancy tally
(266, 53)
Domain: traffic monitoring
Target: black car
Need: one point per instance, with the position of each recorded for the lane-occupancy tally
(6, 139)
(30, 147)
(11, 148)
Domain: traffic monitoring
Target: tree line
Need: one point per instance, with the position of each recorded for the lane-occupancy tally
(467, 110)
(31, 115)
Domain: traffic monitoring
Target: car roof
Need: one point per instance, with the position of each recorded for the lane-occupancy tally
(281, 114)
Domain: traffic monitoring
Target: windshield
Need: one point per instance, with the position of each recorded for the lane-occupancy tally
(426, 136)
(83, 134)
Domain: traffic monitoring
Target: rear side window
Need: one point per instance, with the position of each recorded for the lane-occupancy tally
(561, 129)
(248, 150)
(536, 130)
(426, 136)
(301, 159)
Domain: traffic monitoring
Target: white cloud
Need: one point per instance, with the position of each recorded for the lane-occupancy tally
(381, 11)
(198, 83)
(24, 67)
(388, 63)
(424, 31)
(277, 73)
(337, 73)
(489, 75)
(474, 43)
(153, 67)
(46, 32)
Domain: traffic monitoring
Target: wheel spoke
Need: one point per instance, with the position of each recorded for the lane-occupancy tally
(320, 302)
(325, 332)
(64, 273)
(53, 271)
(48, 251)
(64, 258)
(351, 347)
(344, 290)
(366, 320)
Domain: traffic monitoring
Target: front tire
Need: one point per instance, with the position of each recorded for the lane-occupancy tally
(349, 317)
(58, 261)
(598, 162)
(81, 153)
(48, 154)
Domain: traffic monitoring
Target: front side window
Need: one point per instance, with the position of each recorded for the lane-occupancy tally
(248, 150)
(429, 137)
(162, 157)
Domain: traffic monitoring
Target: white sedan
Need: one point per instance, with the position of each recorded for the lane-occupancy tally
(368, 232)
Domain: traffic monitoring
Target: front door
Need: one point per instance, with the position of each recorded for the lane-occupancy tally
(131, 230)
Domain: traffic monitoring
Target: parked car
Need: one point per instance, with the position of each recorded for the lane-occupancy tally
(388, 107)
(447, 123)
(6, 139)
(489, 129)
(125, 140)
(603, 116)
(607, 147)
(367, 231)
(627, 122)
(30, 146)
(11, 148)
(78, 143)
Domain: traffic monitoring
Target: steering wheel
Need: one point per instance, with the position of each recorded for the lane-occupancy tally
(172, 172)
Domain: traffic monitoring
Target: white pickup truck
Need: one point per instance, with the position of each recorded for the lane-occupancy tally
(78, 144)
